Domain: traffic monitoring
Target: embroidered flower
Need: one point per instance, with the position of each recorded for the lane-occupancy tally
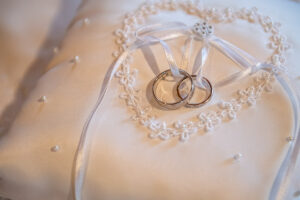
(203, 29)
(229, 15)
(229, 109)
(184, 130)
(247, 96)
(277, 59)
(278, 42)
(249, 14)
(266, 23)
(208, 121)
(159, 130)
(142, 115)
(127, 78)
(132, 98)
(265, 80)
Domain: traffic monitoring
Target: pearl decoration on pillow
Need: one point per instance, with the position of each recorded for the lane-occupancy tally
(237, 156)
(55, 50)
(75, 60)
(203, 29)
(86, 21)
(42, 99)
(55, 148)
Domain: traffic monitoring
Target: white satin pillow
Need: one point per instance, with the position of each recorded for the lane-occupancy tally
(124, 163)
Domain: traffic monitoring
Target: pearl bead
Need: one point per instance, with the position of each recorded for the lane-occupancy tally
(76, 60)
(55, 148)
(237, 156)
(55, 50)
(42, 99)
(86, 21)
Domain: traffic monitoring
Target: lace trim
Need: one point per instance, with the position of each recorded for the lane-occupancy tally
(227, 110)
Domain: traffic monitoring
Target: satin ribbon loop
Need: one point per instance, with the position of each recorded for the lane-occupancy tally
(174, 30)
(168, 53)
(199, 62)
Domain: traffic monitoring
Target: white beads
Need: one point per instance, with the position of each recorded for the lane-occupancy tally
(55, 148)
(237, 157)
(86, 21)
(229, 109)
(75, 60)
(203, 29)
(55, 50)
(42, 99)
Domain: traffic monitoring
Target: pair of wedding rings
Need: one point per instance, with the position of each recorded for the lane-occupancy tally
(184, 94)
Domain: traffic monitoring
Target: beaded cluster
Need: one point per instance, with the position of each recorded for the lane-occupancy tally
(203, 29)
(227, 110)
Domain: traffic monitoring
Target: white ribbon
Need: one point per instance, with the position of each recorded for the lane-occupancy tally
(176, 29)
(145, 36)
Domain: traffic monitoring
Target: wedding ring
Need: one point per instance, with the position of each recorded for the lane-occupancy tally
(208, 89)
(182, 100)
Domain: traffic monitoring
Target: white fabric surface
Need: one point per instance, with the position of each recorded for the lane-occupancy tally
(30, 30)
(124, 163)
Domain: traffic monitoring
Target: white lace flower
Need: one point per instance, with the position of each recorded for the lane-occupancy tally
(228, 13)
(277, 59)
(132, 98)
(266, 23)
(203, 29)
(208, 121)
(249, 14)
(142, 114)
(184, 130)
(265, 80)
(229, 109)
(248, 96)
(127, 78)
(279, 43)
(159, 130)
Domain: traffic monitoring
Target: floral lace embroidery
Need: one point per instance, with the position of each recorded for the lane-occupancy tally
(227, 110)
